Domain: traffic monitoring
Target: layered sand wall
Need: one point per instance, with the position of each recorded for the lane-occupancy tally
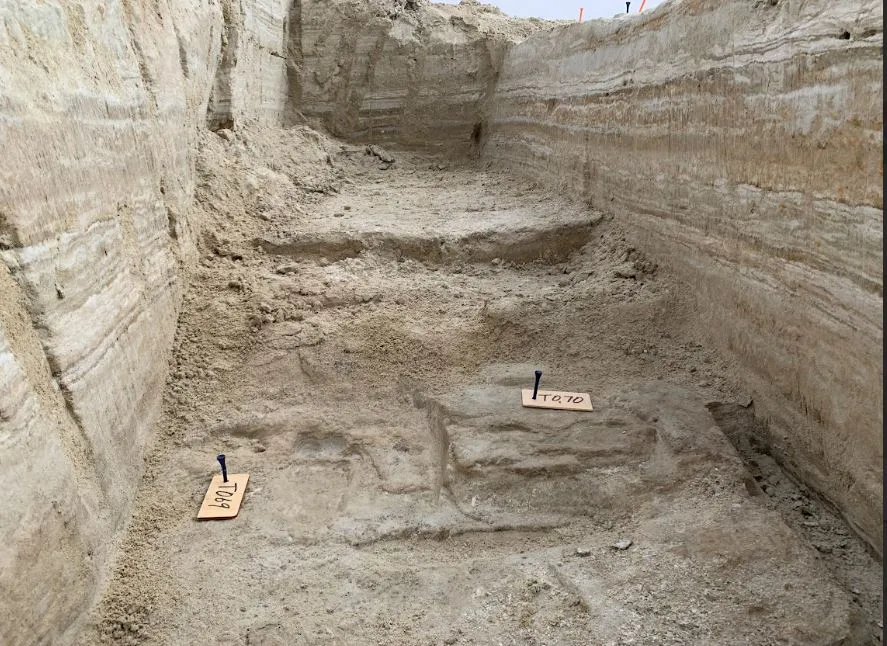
(742, 141)
(415, 75)
(99, 109)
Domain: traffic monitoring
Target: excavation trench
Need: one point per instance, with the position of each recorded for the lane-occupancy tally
(363, 364)
(191, 264)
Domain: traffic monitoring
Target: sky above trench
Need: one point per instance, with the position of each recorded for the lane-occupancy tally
(565, 9)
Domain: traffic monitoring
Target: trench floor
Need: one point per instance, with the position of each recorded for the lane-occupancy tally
(358, 347)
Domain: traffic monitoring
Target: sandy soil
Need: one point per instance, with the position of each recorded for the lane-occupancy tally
(355, 335)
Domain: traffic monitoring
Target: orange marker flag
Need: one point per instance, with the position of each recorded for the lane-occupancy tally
(580, 13)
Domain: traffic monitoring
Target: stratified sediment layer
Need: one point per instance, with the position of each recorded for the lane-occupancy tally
(741, 142)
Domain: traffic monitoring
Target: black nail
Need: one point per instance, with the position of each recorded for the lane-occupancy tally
(221, 458)
(536, 385)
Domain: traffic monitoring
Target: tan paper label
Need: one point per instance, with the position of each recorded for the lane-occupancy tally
(556, 399)
(223, 499)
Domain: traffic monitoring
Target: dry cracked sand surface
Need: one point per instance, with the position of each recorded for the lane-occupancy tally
(355, 335)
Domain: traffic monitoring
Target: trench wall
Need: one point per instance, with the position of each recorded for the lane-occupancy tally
(419, 78)
(100, 103)
(741, 140)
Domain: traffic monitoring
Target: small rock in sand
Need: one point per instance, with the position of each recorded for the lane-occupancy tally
(626, 270)
(287, 269)
(622, 545)
(381, 153)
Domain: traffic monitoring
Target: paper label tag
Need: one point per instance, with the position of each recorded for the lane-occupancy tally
(223, 499)
(556, 399)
